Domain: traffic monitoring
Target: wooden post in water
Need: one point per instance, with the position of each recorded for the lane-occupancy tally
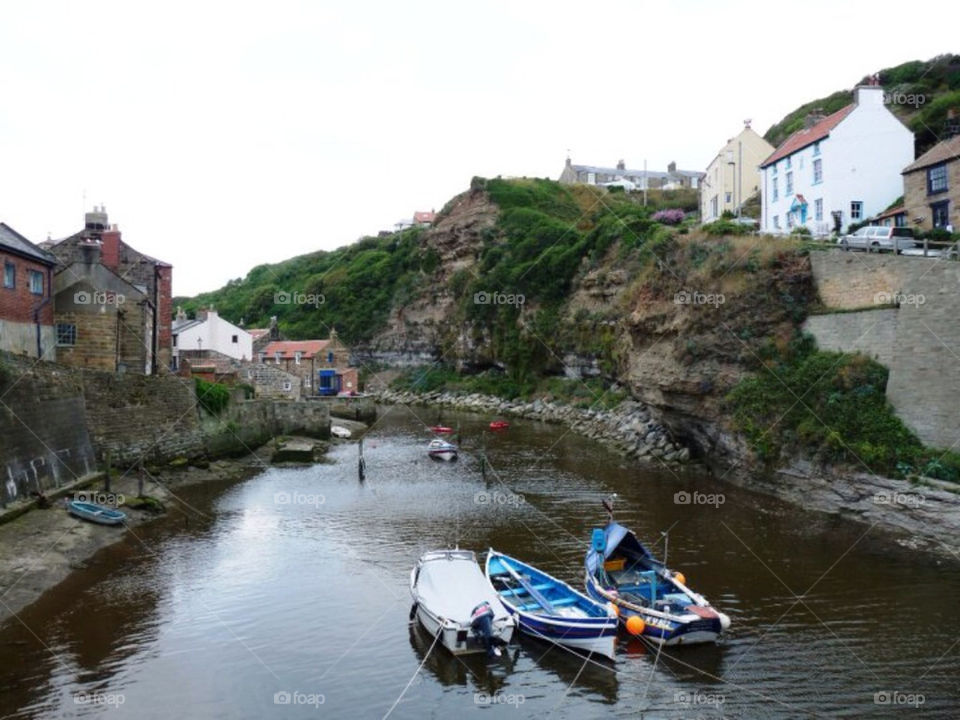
(361, 463)
(140, 478)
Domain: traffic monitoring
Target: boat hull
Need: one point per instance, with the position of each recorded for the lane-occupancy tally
(458, 638)
(96, 514)
(445, 455)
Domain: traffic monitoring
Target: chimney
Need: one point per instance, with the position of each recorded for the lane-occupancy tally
(813, 118)
(202, 314)
(951, 127)
(621, 165)
(569, 161)
(110, 247)
(181, 314)
(672, 168)
(95, 221)
(90, 251)
(871, 94)
(274, 330)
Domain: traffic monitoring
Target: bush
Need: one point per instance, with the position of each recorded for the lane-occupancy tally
(213, 397)
(724, 227)
(668, 217)
(801, 230)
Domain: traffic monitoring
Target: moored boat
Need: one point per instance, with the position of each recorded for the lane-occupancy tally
(95, 513)
(340, 432)
(550, 609)
(499, 425)
(441, 429)
(440, 449)
(454, 599)
(619, 569)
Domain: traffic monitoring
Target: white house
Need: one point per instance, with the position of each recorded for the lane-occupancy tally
(837, 170)
(209, 332)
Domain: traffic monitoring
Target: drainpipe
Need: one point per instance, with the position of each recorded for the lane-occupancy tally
(155, 335)
(36, 312)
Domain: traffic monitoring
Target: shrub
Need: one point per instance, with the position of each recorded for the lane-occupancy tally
(801, 230)
(668, 217)
(725, 227)
(213, 397)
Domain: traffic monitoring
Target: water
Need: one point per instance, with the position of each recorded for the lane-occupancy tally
(296, 581)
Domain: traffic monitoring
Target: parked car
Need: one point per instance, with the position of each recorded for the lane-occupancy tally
(877, 238)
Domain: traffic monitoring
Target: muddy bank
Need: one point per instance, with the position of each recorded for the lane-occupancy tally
(40, 548)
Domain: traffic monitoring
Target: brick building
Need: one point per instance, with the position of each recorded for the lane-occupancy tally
(150, 276)
(931, 187)
(26, 309)
(102, 321)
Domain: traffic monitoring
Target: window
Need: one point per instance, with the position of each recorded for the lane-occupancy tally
(234, 339)
(776, 190)
(789, 188)
(66, 334)
(262, 356)
(856, 210)
(9, 275)
(287, 386)
(306, 382)
(941, 214)
(36, 282)
(818, 209)
(776, 221)
(937, 179)
(591, 178)
(816, 148)
(276, 356)
(817, 171)
(774, 168)
(296, 357)
(175, 340)
(714, 203)
(791, 221)
(788, 165)
(729, 198)
(330, 357)
(800, 163)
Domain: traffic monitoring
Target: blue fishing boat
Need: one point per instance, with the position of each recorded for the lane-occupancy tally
(652, 601)
(95, 513)
(551, 610)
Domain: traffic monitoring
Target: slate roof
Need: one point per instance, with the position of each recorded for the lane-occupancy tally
(16, 243)
(807, 136)
(942, 152)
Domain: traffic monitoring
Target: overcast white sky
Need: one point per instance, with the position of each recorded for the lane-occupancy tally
(221, 135)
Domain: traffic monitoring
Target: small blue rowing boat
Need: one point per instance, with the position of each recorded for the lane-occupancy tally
(95, 513)
(551, 610)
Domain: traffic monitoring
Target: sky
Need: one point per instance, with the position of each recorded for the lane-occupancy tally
(223, 135)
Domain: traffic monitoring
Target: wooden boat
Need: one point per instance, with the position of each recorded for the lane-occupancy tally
(453, 598)
(95, 513)
(619, 569)
(499, 425)
(340, 432)
(551, 610)
(441, 429)
(440, 449)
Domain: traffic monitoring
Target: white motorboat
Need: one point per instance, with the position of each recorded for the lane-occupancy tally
(454, 599)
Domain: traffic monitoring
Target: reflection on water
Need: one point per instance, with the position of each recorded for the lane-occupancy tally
(294, 586)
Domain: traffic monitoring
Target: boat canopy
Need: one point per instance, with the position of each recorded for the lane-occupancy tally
(618, 538)
(452, 585)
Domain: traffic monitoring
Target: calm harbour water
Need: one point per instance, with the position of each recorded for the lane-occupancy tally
(296, 581)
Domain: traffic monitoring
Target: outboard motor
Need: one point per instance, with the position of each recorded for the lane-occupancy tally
(481, 622)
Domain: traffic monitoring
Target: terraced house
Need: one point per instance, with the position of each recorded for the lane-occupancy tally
(931, 187)
(836, 170)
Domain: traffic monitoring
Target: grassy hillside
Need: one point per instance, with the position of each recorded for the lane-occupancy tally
(920, 93)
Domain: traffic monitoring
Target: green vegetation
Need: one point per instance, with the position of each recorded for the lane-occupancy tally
(213, 397)
(831, 406)
(919, 92)
(589, 393)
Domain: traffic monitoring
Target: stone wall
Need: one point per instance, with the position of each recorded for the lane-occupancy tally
(44, 442)
(920, 338)
(247, 425)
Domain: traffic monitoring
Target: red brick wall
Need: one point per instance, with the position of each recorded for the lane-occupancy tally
(17, 304)
(110, 249)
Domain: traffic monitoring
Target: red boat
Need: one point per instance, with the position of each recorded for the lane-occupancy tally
(441, 429)
(499, 425)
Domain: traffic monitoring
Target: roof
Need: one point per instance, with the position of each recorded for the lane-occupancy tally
(288, 348)
(257, 333)
(424, 217)
(186, 324)
(16, 243)
(942, 152)
(807, 136)
(892, 212)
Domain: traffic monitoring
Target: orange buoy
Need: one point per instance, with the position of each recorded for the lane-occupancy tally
(635, 625)
(680, 578)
